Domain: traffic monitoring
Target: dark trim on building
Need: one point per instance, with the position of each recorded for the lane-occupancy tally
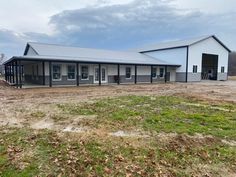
(20, 74)
(151, 80)
(50, 73)
(27, 49)
(43, 67)
(77, 74)
(99, 74)
(13, 72)
(165, 74)
(186, 79)
(5, 69)
(118, 74)
(17, 83)
(214, 37)
(135, 74)
(169, 48)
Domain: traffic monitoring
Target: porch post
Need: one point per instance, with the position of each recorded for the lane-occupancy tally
(50, 74)
(135, 74)
(165, 73)
(20, 74)
(99, 74)
(13, 72)
(16, 63)
(10, 74)
(77, 74)
(151, 74)
(118, 74)
(5, 72)
(43, 67)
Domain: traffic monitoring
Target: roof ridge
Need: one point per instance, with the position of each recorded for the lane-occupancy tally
(97, 49)
(172, 44)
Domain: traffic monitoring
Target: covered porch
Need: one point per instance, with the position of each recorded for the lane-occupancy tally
(26, 73)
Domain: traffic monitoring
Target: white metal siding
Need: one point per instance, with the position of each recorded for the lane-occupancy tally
(177, 56)
(172, 74)
(209, 46)
(31, 52)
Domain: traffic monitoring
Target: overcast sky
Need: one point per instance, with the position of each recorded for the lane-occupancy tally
(112, 24)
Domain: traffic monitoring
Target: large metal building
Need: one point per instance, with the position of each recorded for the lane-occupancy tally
(202, 58)
(179, 61)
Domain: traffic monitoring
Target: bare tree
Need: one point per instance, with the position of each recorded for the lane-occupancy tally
(2, 58)
(232, 64)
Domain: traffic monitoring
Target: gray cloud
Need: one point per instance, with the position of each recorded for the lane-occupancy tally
(129, 25)
(12, 43)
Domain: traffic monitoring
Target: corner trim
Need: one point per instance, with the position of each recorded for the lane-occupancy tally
(187, 55)
(168, 48)
(27, 49)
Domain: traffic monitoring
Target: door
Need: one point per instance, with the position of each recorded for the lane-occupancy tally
(103, 74)
(209, 66)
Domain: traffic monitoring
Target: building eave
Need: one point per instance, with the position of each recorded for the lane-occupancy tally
(38, 59)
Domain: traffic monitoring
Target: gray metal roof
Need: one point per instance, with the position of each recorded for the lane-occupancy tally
(66, 53)
(177, 44)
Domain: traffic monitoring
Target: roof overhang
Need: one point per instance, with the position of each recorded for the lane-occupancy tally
(52, 59)
(183, 46)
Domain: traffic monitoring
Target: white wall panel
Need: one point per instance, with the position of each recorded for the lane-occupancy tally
(173, 56)
(31, 52)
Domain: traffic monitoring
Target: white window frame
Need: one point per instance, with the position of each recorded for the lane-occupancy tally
(154, 68)
(194, 69)
(60, 72)
(74, 73)
(222, 67)
(130, 72)
(81, 72)
(106, 74)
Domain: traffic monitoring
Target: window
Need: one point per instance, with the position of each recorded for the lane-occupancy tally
(161, 72)
(154, 72)
(71, 72)
(127, 72)
(194, 68)
(103, 74)
(222, 69)
(56, 72)
(84, 73)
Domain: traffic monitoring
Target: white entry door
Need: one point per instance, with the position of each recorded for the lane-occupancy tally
(103, 74)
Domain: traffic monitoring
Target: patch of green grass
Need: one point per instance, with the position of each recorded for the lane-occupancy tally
(161, 114)
(102, 156)
(24, 152)
(38, 114)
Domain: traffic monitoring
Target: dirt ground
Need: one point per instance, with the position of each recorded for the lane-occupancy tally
(37, 108)
(19, 107)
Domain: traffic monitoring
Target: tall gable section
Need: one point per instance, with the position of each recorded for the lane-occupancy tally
(215, 39)
(29, 50)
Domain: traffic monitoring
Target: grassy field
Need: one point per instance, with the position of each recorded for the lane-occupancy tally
(164, 136)
(159, 114)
